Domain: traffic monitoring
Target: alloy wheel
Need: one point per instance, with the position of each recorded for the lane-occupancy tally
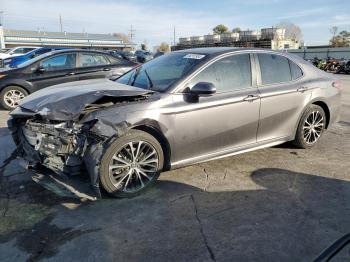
(313, 127)
(12, 98)
(133, 166)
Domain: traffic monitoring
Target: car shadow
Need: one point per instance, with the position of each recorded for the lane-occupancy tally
(288, 216)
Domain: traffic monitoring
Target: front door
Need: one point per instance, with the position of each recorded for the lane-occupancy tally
(224, 121)
(55, 70)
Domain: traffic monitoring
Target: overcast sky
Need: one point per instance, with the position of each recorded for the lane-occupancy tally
(154, 20)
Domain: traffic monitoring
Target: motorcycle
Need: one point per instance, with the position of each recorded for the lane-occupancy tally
(343, 67)
(331, 65)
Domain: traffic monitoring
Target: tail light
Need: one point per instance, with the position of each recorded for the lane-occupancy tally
(337, 84)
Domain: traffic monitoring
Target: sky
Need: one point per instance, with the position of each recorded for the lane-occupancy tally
(154, 20)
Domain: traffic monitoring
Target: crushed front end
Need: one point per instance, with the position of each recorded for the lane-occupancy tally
(61, 146)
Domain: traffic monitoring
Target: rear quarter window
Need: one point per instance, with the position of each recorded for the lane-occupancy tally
(295, 70)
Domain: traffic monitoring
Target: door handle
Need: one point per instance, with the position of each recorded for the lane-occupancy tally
(70, 74)
(302, 89)
(251, 98)
(106, 69)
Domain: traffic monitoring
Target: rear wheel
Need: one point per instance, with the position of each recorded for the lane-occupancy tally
(131, 164)
(11, 95)
(311, 127)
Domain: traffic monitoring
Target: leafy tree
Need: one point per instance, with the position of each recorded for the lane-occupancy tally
(143, 47)
(292, 32)
(236, 30)
(220, 29)
(341, 40)
(164, 47)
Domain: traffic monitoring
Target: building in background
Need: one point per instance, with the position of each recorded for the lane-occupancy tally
(12, 38)
(271, 38)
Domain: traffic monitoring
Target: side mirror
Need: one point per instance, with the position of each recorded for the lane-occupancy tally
(203, 89)
(40, 69)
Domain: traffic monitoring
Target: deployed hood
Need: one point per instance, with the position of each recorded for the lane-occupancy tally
(66, 101)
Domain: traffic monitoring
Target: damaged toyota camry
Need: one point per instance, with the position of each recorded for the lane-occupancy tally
(182, 108)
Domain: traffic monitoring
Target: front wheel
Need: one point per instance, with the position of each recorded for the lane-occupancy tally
(311, 127)
(11, 95)
(131, 164)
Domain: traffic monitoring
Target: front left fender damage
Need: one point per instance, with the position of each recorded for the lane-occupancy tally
(70, 147)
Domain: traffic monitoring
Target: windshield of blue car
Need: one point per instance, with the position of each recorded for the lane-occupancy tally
(159, 74)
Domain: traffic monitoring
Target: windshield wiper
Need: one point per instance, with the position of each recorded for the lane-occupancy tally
(149, 79)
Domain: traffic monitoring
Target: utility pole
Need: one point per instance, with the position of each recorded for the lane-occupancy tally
(132, 33)
(174, 36)
(1, 18)
(61, 24)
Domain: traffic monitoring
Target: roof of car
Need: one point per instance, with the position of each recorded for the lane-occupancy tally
(221, 50)
(76, 50)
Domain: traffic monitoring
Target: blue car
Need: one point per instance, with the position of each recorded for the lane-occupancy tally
(17, 60)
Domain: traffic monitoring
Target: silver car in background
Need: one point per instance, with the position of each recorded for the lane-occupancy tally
(179, 109)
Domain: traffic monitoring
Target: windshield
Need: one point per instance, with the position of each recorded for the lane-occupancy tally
(159, 74)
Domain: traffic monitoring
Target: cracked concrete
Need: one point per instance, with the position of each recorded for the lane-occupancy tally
(276, 204)
(205, 240)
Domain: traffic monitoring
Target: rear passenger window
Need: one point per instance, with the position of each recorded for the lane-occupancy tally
(274, 69)
(227, 74)
(93, 60)
(295, 70)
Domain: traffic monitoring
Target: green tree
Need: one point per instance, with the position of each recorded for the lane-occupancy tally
(341, 40)
(220, 29)
(236, 30)
(164, 47)
(143, 47)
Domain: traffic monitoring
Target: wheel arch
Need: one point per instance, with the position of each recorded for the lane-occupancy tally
(15, 84)
(325, 108)
(319, 102)
(157, 134)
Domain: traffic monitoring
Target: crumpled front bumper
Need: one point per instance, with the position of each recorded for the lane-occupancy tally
(56, 159)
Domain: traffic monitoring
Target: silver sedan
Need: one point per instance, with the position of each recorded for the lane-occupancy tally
(179, 109)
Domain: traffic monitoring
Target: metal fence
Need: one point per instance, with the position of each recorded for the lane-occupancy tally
(322, 53)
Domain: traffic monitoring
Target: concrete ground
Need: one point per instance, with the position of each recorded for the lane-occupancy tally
(276, 204)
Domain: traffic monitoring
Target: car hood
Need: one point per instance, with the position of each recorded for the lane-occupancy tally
(66, 101)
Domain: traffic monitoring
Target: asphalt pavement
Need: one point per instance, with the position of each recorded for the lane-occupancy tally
(275, 204)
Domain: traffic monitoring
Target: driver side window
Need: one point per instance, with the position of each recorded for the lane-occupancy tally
(59, 62)
(227, 74)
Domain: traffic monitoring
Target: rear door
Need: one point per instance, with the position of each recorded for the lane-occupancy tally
(95, 65)
(55, 70)
(284, 94)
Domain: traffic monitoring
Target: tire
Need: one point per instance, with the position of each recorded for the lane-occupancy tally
(8, 101)
(131, 178)
(308, 135)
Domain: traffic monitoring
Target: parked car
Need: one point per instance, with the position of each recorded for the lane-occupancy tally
(16, 51)
(4, 50)
(143, 56)
(125, 54)
(14, 61)
(57, 67)
(182, 108)
(159, 53)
